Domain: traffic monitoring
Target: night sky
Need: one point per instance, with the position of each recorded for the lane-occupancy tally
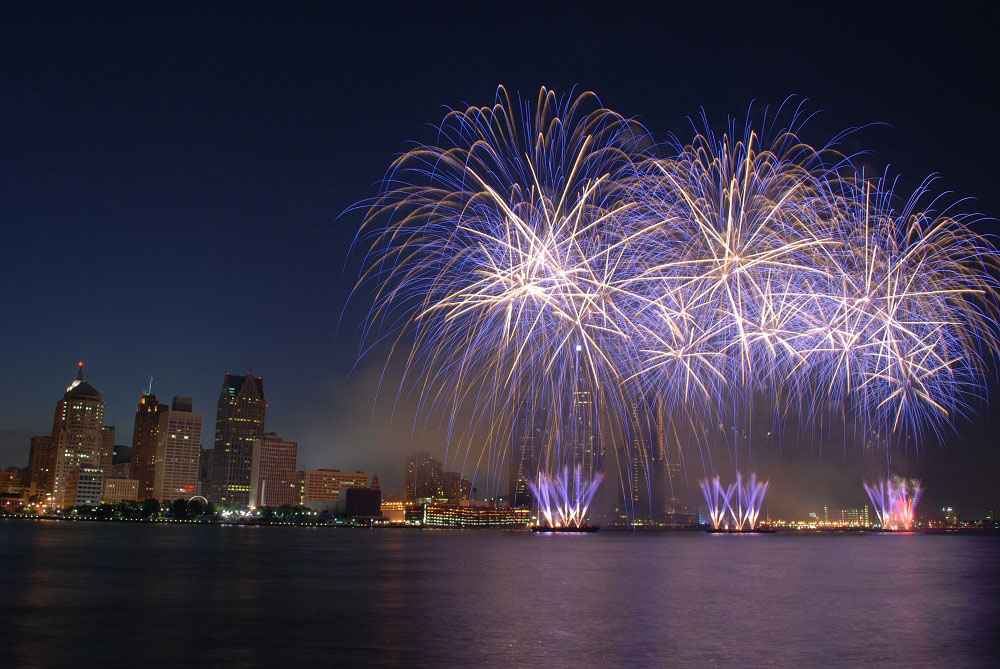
(172, 186)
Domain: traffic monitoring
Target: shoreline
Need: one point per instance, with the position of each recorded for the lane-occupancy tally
(957, 531)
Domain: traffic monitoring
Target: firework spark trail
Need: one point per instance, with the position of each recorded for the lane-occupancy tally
(501, 252)
(539, 251)
(563, 499)
(779, 270)
(717, 499)
(745, 507)
(895, 502)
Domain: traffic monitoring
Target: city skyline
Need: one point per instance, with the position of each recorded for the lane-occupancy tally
(667, 489)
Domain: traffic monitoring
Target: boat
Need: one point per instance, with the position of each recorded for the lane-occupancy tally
(759, 530)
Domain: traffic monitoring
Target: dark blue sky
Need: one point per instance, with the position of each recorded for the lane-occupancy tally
(170, 185)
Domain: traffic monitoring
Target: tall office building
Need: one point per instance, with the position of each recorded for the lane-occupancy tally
(178, 452)
(424, 477)
(239, 423)
(205, 473)
(585, 442)
(145, 437)
(273, 472)
(640, 463)
(40, 466)
(527, 444)
(107, 449)
(669, 484)
(76, 436)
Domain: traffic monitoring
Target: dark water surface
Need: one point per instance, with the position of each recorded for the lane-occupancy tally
(115, 595)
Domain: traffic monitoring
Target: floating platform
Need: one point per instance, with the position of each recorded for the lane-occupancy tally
(585, 529)
(759, 530)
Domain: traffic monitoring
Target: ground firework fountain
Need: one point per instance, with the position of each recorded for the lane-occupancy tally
(895, 501)
(717, 499)
(740, 501)
(563, 499)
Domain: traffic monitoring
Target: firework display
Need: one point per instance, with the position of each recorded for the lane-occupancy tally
(716, 499)
(895, 502)
(563, 499)
(740, 501)
(540, 252)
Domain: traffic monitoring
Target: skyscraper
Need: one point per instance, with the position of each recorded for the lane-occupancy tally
(639, 488)
(145, 436)
(178, 451)
(527, 443)
(107, 449)
(273, 472)
(239, 423)
(668, 465)
(424, 477)
(40, 463)
(586, 453)
(76, 436)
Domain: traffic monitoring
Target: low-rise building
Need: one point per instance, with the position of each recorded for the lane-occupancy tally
(356, 502)
(120, 490)
(469, 515)
(85, 485)
(13, 480)
(319, 488)
(394, 511)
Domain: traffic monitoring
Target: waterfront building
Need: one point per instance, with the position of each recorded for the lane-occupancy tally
(178, 451)
(10, 502)
(950, 516)
(639, 465)
(438, 514)
(321, 487)
(76, 436)
(584, 433)
(12, 481)
(527, 443)
(851, 517)
(107, 453)
(120, 490)
(357, 502)
(273, 472)
(40, 461)
(145, 437)
(239, 423)
(424, 477)
(84, 485)
(394, 511)
(205, 471)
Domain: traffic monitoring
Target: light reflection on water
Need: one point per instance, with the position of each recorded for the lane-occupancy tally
(106, 594)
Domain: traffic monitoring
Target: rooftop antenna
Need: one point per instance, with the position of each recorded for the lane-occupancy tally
(149, 388)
